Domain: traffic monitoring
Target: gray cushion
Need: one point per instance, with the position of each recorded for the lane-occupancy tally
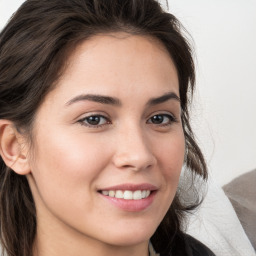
(242, 194)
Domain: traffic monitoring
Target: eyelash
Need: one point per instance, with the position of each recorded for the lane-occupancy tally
(85, 119)
(171, 119)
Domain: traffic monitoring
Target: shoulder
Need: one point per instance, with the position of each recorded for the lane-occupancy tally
(195, 247)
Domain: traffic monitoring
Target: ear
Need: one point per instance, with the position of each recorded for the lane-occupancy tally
(13, 149)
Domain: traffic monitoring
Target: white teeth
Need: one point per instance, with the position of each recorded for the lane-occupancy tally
(111, 193)
(105, 193)
(119, 194)
(127, 194)
(144, 193)
(137, 195)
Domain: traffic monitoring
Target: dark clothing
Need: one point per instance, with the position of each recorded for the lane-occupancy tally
(186, 245)
(196, 248)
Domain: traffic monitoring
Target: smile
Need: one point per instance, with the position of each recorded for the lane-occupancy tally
(127, 194)
(130, 197)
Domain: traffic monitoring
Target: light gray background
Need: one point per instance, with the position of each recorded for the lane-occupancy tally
(224, 117)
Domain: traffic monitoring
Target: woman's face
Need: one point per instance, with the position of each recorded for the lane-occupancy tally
(108, 143)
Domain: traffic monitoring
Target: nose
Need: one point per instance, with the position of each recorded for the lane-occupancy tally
(133, 151)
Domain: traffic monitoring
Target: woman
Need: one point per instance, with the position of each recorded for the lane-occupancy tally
(94, 130)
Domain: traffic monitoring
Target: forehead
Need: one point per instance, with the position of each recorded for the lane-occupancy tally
(110, 63)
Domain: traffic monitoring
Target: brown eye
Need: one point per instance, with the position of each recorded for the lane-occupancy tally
(161, 119)
(157, 119)
(94, 120)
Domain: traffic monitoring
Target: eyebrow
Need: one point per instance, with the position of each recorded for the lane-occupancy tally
(96, 98)
(116, 102)
(163, 98)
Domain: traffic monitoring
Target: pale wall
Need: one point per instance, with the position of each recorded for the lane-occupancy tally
(224, 33)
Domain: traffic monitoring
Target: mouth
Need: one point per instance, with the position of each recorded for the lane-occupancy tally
(127, 194)
(130, 197)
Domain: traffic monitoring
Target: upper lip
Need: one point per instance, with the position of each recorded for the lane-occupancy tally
(131, 187)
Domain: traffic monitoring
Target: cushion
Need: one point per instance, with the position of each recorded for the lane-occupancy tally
(242, 194)
(216, 225)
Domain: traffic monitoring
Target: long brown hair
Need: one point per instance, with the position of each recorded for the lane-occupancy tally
(33, 49)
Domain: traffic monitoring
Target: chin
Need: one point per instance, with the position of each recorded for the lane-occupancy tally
(131, 236)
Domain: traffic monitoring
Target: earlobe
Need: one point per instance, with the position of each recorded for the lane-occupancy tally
(12, 149)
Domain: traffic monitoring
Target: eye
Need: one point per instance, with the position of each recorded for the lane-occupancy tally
(94, 121)
(162, 119)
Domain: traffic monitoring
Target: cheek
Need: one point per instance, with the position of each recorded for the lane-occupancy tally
(65, 170)
(72, 153)
(171, 158)
(170, 161)
(67, 164)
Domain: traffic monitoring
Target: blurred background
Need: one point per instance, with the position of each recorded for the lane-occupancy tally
(224, 107)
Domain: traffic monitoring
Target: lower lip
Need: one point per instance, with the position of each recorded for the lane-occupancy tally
(131, 205)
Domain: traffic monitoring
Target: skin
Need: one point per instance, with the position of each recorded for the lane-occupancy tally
(71, 161)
